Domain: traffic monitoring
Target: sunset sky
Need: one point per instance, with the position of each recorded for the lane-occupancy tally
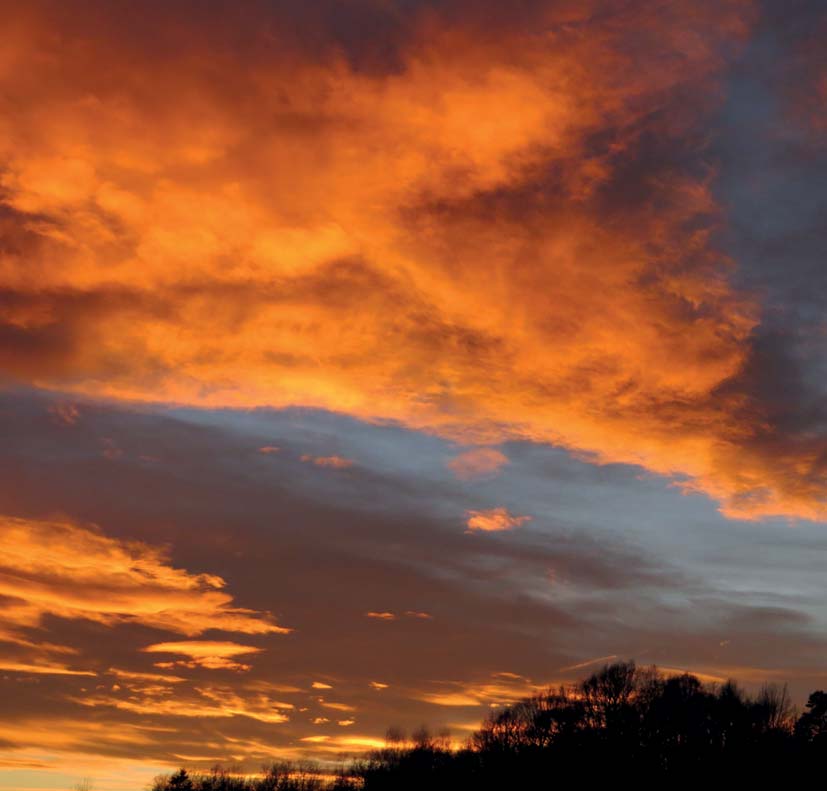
(371, 363)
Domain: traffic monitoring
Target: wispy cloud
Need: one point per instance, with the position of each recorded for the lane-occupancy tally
(335, 462)
(74, 571)
(499, 689)
(210, 654)
(45, 669)
(392, 616)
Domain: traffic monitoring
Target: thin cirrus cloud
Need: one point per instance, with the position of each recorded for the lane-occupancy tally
(500, 689)
(334, 462)
(493, 520)
(209, 701)
(73, 571)
(209, 654)
(336, 706)
(46, 669)
(461, 236)
(132, 675)
(386, 615)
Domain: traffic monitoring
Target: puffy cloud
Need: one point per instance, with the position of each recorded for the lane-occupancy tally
(74, 571)
(493, 519)
(485, 237)
(477, 463)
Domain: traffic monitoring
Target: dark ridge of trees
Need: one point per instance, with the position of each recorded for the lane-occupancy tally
(621, 724)
(277, 776)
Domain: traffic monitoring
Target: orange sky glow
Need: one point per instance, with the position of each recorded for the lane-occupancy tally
(336, 339)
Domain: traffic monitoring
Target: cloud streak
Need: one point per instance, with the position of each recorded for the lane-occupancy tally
(72, 571)
(209, 654)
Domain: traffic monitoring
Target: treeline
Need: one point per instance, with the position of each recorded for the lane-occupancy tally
(623, 723)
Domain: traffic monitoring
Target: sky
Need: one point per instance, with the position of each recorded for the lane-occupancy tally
(375, 363)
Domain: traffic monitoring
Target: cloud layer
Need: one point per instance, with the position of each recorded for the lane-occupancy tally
(486, 237)
(72, 571)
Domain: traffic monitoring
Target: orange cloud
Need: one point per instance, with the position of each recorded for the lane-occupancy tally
(47, 669)
(502, 689)
(336, 706)
(67, 735)
(131, 675)
(338, 744)
(477, 463)
(206, 701)
(493, 520)
(210, 654)
(498, 237)
(72, 571)
(392, 616)
(424, 616)
(336, 462)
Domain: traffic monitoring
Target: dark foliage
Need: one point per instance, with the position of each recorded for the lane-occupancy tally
(278, 776)
(623, 723)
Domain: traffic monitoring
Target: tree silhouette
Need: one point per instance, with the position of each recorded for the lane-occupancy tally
(622, 722)
(812, 725)
(180, 781)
